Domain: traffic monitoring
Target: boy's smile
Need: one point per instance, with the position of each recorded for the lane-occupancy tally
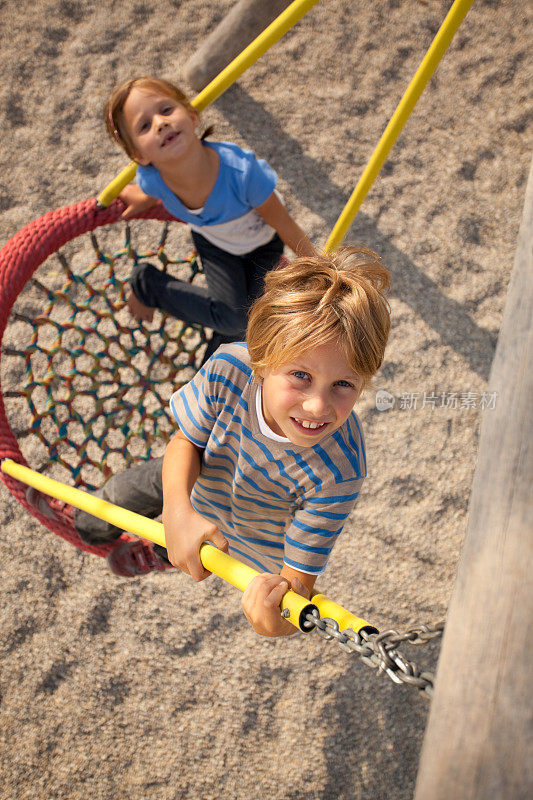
(310, 397)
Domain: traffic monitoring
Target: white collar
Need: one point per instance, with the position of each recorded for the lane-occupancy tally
(265, 429)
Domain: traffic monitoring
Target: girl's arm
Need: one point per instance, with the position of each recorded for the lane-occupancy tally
(185, 529)
(135, 200)
(262, 597)
(276, 215)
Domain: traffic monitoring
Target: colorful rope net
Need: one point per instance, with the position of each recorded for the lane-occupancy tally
(85, 388)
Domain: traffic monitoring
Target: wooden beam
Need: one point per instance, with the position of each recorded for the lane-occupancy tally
(479, 739)
(246, 20)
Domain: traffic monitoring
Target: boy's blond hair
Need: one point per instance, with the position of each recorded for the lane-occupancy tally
(314, 300)
(114, 107)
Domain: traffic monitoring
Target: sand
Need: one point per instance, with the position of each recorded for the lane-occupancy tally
(114, 689)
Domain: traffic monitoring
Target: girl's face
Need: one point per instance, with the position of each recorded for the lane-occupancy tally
(310, 397)
(161, 129)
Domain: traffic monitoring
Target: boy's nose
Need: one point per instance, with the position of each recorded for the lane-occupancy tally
(315, 404)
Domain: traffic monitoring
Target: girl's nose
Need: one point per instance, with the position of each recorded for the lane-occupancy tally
(159, 121)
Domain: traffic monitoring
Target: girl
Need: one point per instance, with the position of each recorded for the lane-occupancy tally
(227, 196)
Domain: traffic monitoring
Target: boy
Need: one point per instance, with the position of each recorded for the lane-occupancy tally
(269, 458)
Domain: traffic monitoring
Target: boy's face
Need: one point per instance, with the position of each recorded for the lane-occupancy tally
(161, 129)
(310, 397)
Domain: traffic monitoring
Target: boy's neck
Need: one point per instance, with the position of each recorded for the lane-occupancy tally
(192, 178)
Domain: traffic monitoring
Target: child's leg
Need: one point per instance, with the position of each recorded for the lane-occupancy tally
(221, 306)
(216, 341)
(258, 263)
(138, 489)
(225, 274)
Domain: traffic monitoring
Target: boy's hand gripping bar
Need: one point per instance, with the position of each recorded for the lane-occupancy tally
(230, 569)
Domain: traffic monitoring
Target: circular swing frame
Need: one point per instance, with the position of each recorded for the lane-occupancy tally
(20, 257)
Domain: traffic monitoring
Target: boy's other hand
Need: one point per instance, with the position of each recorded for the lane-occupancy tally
(135, 200)
(261, 604)
(185, 532)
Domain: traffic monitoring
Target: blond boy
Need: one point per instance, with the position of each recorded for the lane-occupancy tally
(269, 458)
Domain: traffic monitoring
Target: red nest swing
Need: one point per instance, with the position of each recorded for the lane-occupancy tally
(19, 259)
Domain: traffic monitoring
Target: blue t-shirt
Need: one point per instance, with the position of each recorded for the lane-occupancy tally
(228, 217)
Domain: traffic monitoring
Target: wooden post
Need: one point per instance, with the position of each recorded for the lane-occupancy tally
(479, 739)
(246, 20)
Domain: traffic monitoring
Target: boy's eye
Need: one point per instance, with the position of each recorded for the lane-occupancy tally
(299, 373)
(345, 384)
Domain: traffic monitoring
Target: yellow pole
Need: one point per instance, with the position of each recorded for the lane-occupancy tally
(216, 561)
(344, 618)
(278, 28)
(113, 189)
(428, 66)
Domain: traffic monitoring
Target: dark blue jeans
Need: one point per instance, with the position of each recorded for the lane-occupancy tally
(233, 283)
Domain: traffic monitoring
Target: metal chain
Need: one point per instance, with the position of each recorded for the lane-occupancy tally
(378, 650)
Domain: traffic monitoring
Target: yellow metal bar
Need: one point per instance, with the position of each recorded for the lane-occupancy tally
(113, 189)
(426, 69)
(126, 520)
(278, 28)
(240, 575)
(345, 619)
(216, 561)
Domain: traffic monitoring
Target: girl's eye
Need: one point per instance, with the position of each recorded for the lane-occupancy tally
(167, 110)
(143, 126)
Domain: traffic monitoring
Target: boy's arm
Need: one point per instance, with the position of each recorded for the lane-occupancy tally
(276, 215)
(301, 545)
(185, 529)
(262, 597)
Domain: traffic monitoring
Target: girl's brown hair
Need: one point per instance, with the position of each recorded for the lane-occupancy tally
(311, 301)
(114, 107)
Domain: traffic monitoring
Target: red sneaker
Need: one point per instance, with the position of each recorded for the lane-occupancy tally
(136, 558)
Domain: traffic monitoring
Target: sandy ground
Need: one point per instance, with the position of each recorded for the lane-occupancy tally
(157, 687)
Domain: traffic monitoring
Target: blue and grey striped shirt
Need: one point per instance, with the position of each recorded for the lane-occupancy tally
(274, 501)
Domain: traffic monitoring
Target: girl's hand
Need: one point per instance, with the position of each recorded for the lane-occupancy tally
(185, 532)
(135, 200)
(261, 604)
